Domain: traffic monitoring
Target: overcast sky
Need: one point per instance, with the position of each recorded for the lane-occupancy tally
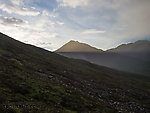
(51, 23)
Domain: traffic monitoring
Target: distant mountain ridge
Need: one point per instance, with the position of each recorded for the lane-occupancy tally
(132, 57)
(75, 46)
(139, 49)
(141, 45)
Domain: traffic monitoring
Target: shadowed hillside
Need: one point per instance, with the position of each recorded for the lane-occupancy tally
(139, 49)
(133, 57)
(33, 80)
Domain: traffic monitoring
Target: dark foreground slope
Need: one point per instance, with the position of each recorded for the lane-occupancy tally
(38, 81)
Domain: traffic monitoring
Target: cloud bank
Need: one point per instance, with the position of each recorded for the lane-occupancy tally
(15, 7)
(92, 31)
(101, 23)
(72, 3)
(11, 21)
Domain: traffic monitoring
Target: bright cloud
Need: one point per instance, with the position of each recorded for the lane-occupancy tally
(60, 23)
(17, 2)
(134, 20)
(46, 13)
(14, 8)
(73, 3)
(38, 32)
(92, 31)
(12, 21)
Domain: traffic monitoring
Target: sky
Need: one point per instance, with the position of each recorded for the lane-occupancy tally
(49, 24)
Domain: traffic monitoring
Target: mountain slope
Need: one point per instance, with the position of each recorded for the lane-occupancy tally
(35, 80)
(139, 46)
(139, 49)
(113, 60)
(75, 46)
(135, 60)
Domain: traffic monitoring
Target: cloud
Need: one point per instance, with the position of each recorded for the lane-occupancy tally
(14, 8)
(46, 13)
(43, 43)
(92, 4)
(12, 21)
(124, 20)
(17, 2)
(73, 3)
(60, 23)
(92, 31)
(132, 22)
(40, 31)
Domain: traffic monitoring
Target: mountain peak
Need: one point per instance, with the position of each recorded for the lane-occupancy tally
(73, 41)
(75, 46)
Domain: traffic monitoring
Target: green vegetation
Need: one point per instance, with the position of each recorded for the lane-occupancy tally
(33, 80)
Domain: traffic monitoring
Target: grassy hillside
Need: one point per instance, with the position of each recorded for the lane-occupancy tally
(33, 80)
